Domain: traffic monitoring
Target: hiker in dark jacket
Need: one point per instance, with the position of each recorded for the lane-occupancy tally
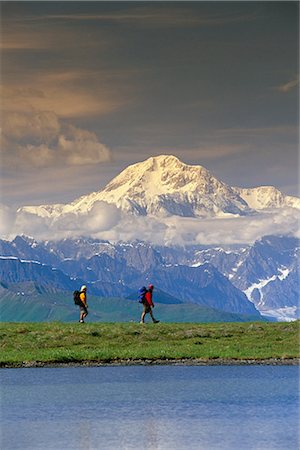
(148, 305)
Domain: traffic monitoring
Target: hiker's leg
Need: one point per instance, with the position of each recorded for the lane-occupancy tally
(84, 313)
(151, 314)
(152, 317)
(143, 316)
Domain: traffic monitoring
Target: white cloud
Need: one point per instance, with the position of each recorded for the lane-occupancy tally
(131, 228)
(178, 230)
(82, 147)
(105, 221)
(248, 229)
(7, 220)
(100, 219)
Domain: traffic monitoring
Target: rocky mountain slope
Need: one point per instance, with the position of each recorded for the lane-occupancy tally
(267, 272)
(230, 279)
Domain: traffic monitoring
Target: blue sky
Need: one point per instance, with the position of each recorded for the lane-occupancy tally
(91, 87)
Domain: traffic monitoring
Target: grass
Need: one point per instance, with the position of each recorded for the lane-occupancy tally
(56, 342)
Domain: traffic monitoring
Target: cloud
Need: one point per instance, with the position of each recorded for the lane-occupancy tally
(288, 86)
(28, 35)
(15, 37)
(192, 231)
(100, 219)
(131, 228)
(183, 231)
(81, 147)
(105, 221)
(38, 116)
(248, 229)
(159, 15)
(41, 139)
(65, 98)
(258, 131)
(212, 152)
(7, 220)
(39, 126)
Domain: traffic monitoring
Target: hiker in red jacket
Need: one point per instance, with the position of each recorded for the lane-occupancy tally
(148, 305)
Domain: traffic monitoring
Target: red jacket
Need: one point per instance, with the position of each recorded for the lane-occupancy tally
(148, 297)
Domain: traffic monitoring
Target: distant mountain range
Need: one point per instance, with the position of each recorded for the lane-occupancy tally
(245, 280)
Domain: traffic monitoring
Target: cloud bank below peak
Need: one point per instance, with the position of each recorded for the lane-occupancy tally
(106, 221)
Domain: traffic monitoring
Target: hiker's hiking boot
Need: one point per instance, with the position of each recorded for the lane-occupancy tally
(155, 321)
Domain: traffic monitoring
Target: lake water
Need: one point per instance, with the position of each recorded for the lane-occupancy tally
(144, 407)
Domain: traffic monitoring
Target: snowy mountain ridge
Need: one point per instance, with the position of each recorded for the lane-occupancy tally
(264, 197)
(165, 186)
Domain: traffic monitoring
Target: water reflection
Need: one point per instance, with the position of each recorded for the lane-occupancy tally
(152, 408)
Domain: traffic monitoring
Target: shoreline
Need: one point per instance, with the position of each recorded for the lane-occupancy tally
(155, 362)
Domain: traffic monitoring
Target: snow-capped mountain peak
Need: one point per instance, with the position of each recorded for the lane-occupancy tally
(163, 186)
(163, 174)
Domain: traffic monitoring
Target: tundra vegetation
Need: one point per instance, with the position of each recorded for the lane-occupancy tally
(34, 344)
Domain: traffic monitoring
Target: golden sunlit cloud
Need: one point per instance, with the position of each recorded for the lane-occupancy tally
(41, 139)
(154, 16)
(37, 125)
(36, 35)
(258, 131)
(289, 86)
(62, 100)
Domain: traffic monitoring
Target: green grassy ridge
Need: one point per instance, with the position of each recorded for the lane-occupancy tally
(48, 307)
(23, 343)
